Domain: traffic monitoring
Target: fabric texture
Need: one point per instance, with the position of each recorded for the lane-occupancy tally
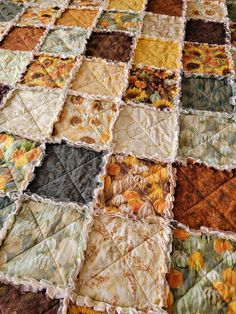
(206, 10)
(168, 7)
(36, 16)
(7, 207)
(68, 173)
(8, 11)
(81, 18)
(134, 5)
(4, 90)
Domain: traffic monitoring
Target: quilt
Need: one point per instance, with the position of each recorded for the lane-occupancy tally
(117, 156)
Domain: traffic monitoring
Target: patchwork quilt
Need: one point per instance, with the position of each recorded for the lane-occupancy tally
(117, 156)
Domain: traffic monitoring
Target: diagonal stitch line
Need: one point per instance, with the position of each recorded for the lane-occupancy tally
(206, 199)
(76, 19)
(26, 45)
(66, 173)
(40, 242)
(127, 264)
(205, 277)
(58, 268)
(57, 37)
(121, 255)
(51, 308)
(48, 74)
(7, 166)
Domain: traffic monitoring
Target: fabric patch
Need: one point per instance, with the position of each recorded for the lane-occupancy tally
(158, 53)
(145, 133)
(202, 274)
(110, 46)
(36, 16)
(233, 33)
(31, 119)
(205, 197)
(205, 32)
(81, 18)
(12, 300)
(135, 187)
(48, 71)
(205, 59)
(12, 64)
(210, 139)
(88, 3)
(8, 11)
(4, 90)
(87, 121)
(68, 173)
(156, 87)
(167, 7)
(45, 243)
(75, 309)
(206, 94)
(7, 207)
(206, 10)
(133, 5)
(65, 41)
(232, 11)
(22, 38)
(18, 157)
(170, 27)
(99, 78)
(125, 263)
(121, 21)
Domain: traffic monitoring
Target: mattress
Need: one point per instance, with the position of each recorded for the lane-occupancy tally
(117, 156)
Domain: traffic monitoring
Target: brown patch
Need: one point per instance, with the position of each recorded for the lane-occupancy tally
(167, 7)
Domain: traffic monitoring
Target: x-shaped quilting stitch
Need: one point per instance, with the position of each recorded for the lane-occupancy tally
(48, 74)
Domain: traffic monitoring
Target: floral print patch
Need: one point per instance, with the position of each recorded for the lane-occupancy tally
(135, 187)
(52, 250)
(156, 87)
(86, 121)
(158, 53)
(67, 42)
(48, 71)
(18, 157)
(206, 10)
(202, 275)
(122, 21)
(205, 59)
(39, 16)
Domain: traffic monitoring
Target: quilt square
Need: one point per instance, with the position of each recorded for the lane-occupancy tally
(131, 273)
(48, 71)
(12, 65)
(13, 300)
(232, 11)
(65, 41)
(205, 59)
(209, 139)
(146, 132)
(202, 273)
(39, 16)
(31, 119)
(206, 10)
(4, 90)
(157, 25)
(111, 46)
(22, 38)
(204, 197)
(9, 11)
(83, 18)
(119, 21)
(98, 77)
(206, 94)
(135, 188)
(53, 251)
(18, 158)
(205, 32)
(167, 7)
(155, 87)
(158, 53)
(131, 5)
(68, 173)
(86, 121)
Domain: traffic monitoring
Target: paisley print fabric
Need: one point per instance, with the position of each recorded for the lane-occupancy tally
(157, 87)
(202, 274)
(135, 187)
(205, 59)
(48, 71)
(18, 158)
(86, 121)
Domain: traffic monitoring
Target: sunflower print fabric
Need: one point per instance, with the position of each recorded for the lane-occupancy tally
(147, 85)
(202, 277)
